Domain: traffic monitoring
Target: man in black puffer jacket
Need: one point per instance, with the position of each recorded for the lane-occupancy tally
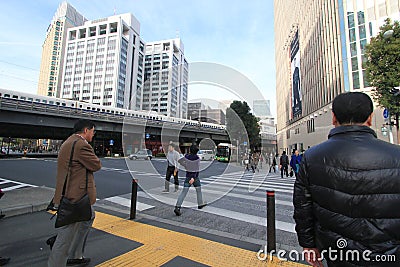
(347, 193)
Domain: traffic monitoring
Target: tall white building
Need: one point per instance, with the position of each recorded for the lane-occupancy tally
(166, 78)
(103, 62)
(261, 108)
(51, 67)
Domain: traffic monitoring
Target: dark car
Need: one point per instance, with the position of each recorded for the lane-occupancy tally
(141, 154)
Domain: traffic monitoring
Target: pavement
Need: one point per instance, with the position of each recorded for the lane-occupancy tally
(146, 243)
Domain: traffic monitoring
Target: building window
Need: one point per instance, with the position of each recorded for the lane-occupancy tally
(102, 29)
(310, 126)
(356, 80)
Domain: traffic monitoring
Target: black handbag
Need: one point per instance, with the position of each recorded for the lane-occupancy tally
(71, 212)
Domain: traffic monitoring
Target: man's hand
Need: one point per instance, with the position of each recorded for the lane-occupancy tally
(313, 256)
(175, 171)
(191, 181)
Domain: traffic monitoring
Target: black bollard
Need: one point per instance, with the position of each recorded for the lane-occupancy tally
(271, 235)
(133, 199)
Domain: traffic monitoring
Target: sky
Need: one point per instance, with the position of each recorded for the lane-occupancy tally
(233, 33)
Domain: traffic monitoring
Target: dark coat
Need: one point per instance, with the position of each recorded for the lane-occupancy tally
(83, 159)
(349, 187)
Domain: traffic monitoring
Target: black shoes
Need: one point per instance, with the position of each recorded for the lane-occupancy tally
(2, 216)
(202, 206)
(4, 261)
(82, 261)
(177, 211)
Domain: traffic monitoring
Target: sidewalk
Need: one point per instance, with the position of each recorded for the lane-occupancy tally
(25, 200)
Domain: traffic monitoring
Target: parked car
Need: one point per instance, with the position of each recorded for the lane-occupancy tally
(206, 154)
(141, 154)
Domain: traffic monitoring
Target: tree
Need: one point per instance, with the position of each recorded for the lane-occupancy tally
(383, 68)
(247, 125)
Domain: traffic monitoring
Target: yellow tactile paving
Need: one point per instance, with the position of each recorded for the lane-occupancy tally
(162, 245)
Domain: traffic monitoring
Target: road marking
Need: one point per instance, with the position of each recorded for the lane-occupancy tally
(18, 185)
(284, 226)
(127, 203)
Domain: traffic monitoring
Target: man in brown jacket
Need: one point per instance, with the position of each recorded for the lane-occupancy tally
(71, 239)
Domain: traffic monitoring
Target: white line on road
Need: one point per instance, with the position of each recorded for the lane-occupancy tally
(127, 203)
(284, 226)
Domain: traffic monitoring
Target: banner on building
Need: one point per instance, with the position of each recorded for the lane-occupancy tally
(295, 71)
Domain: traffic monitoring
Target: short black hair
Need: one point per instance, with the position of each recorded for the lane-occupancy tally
(81, 124)
(194, 149)
(352, 107)
(172, 145)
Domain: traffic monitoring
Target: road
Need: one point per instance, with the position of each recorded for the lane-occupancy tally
(236, 199)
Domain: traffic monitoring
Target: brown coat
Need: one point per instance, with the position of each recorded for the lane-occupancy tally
(83, 159)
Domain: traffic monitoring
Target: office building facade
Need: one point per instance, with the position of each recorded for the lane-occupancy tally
(261, 108)
(104, 62)
(166, 77)
(51, 67)
(320, 48)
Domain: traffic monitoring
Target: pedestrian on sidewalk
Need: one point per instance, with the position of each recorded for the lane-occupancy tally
(283, 164)
(172, 168)
(70, 242)
(191, 162)
(347, 192)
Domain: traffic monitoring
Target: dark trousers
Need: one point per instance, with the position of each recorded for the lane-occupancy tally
(284, 168)
(170, 171)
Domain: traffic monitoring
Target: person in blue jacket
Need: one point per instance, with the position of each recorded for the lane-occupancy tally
(295, 162)
(191, 162)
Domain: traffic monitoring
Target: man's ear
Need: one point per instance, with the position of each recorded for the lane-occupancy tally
(368, 122)
(335, 122)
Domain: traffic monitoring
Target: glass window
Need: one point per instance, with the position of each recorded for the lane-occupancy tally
(353, 49)
(354, 64)
(356, 80)
(362, 32)
(361, 18)
(363, 44)
(352, 35)
(370, 29)
(366, 83)
(350, 18)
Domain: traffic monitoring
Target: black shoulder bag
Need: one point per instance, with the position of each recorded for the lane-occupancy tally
(71, 212)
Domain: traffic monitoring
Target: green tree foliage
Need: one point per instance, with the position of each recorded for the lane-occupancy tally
(241, 110)
(383, 66)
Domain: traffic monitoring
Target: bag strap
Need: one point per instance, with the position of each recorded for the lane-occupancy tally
(69, 168)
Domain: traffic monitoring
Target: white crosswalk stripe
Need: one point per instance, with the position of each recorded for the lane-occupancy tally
(8, 185)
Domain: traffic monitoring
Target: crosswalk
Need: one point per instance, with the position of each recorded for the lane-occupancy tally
(8, 185)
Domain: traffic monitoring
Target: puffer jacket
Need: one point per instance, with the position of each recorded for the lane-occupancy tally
(347, 195)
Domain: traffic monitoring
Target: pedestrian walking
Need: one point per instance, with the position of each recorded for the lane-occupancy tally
(283, 164)
(172, 168)
(273, 165)
(70, 243)
(347, 192)
(295, 162)
(246, 162)
(191, 162)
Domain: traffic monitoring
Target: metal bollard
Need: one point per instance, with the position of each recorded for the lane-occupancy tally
(133, 199)
(271, 235)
